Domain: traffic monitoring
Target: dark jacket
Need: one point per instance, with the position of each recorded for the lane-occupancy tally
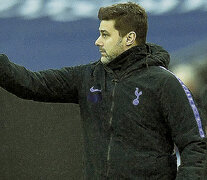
(133, 111)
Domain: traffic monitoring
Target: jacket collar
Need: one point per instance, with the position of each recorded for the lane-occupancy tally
(138, 57)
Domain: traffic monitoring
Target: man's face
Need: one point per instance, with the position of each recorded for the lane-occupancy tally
(110, 43)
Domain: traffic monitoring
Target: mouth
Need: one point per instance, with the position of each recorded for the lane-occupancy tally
(102, 52)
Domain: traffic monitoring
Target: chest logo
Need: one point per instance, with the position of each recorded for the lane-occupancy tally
(94, 95)
(137, 94)
(94, 90)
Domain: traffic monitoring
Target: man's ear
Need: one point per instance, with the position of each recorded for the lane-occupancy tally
(130, 38)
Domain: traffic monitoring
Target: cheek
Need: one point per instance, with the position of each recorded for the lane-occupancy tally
(109, 45)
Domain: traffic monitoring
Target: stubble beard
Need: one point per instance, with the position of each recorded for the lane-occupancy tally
(106, 58)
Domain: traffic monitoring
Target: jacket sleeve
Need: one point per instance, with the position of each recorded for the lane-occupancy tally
(45, 86)
(185, 123)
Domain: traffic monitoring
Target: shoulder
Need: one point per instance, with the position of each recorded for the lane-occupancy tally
(3, 56)
(159, 73)
(85, 70)
(90, 65)
(164, 79)
(82, 67)
(171, 84)
(162, 73)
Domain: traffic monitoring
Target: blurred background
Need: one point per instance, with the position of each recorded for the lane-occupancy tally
(43, 140)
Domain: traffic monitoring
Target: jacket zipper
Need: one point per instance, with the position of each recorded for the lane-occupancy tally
(110, 122)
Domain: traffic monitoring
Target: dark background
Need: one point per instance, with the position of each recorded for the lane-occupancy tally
(39, 140)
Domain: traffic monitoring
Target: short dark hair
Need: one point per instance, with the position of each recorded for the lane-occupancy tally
(128, 17)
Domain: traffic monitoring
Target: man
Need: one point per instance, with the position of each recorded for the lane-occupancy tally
(133, 109)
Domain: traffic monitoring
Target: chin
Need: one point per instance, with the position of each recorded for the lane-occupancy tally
(104, 60)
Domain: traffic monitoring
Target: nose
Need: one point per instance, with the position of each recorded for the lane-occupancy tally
(98, 42)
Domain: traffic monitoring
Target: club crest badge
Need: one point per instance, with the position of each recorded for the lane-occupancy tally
(137, 94)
